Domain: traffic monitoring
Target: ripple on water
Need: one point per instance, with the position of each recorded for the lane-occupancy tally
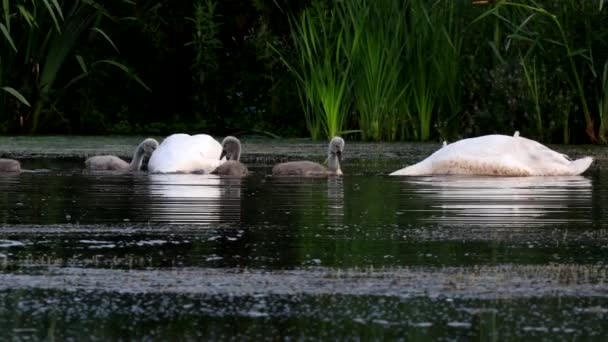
(365, 255)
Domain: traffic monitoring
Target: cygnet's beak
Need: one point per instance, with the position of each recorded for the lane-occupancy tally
(223, 154)
(339, 154)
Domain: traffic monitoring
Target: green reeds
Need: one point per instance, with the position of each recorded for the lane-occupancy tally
(562, 40)
(46, 39)
(433, 53)
(379, 82)
(324, 46)
(536, 86)
(602, 105)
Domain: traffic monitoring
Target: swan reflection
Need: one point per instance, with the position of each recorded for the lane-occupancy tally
(194, 198)
(335, 199)
(502, 200)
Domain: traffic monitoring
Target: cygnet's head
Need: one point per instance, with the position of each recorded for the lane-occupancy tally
(149, 146)
(336, 146)
(231, 148)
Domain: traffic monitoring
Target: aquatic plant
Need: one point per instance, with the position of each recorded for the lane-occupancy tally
(324, 47)
(432, 54)
(563, 40)
(41, 36)
(379, 83)
(536, 86)
(603, 105)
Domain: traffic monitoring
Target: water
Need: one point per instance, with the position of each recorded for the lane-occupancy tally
(111, 254)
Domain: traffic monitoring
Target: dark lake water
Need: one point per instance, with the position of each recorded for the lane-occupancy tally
(122, 255)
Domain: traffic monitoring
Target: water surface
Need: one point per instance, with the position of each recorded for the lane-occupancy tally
(363, 255)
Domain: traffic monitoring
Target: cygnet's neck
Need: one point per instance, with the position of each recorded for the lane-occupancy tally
(333, 163)
(138, 158)
(236, 154)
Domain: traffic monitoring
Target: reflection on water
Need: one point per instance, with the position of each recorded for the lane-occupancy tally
(335, 199)
(193, 199)
(492, 201)
(364, 221)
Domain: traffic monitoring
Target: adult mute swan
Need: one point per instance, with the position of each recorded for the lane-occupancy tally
(108, 162)
(184, 153)
(497, 155)
(311, 169)
(231, 149)
(10, 165)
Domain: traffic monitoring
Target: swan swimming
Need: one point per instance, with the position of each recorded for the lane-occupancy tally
(231, 149)
(307, 168)
(184, 153)
(109, 162)
(497, 155)
(10, 165)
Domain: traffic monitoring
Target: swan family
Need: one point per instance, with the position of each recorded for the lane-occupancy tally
(489, 155)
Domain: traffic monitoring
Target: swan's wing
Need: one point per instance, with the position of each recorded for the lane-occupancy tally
(546, 162)
(206, 146)
(486, 155)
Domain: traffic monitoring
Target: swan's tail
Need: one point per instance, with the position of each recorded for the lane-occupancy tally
(580, 165)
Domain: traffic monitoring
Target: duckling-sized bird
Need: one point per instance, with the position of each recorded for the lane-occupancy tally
(10, 165)
(231, 149)
(109, 162)
(307, 168)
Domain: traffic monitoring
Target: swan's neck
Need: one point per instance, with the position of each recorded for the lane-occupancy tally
(138, 158)
(333, 163)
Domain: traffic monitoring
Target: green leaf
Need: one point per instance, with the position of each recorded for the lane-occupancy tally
(7, 36)
(126, 70)
(7, 18)
(138, 80)
(116, 64)
(58, 8)
(80, 60)
(52, 13)
(100, 31)
(17, 95)
(75, 79)
(27, 16)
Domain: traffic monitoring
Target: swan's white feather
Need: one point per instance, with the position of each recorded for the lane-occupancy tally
(497, 155)
(185, 153)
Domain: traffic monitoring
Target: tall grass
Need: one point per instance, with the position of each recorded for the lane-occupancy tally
(411, 62)
(563, 40)
(536, 85)
(324, 47)
(379, 82)
(42, 36)
(602, 104)
(433, 52)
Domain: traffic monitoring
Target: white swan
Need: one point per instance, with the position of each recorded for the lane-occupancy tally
(231, 149)
(311, 169)
(9, 165)
(497, 155)
(184, 153)
(109, 162)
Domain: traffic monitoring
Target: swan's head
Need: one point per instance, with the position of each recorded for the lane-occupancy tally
(149, 146)
(231, 148)
(336, 146)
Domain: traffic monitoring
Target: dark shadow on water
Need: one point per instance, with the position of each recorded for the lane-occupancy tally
(69, 217)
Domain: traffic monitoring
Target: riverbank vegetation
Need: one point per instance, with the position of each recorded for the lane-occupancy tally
(371, 70)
